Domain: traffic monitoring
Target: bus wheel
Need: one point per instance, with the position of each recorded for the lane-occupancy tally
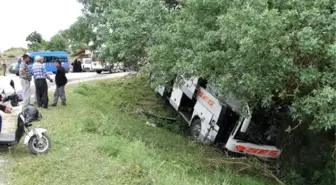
(195, 129)
(99, 72)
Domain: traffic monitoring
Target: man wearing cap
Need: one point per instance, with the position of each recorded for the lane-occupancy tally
(25, 78)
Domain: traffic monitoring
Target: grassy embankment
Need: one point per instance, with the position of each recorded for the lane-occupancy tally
(101, 137)
(12, 54)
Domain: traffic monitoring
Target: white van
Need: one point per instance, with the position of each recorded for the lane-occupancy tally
(87, 64)
(100, 66)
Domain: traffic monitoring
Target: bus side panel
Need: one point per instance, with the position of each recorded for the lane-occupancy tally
(49, 60)
(50, 67)
(209, 101)
(176, 97)
(189, 87)
(208, 131)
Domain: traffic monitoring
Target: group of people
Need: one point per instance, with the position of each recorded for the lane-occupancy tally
(40, 76)
(77, 66)
(40, 80)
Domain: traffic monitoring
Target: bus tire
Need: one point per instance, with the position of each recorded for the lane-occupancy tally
(98, 72)
(195, 129)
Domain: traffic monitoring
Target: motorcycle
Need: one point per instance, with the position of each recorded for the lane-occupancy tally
(36, 139)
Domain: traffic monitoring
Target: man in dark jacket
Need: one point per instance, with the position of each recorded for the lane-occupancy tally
(75, 66)
(60, 80)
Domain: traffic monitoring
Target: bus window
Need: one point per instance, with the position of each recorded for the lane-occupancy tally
(46, 59)
(49, 59)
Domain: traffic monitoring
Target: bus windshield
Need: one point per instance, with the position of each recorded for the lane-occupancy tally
(49, 59)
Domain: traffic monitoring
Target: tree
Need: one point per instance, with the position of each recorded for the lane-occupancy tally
(80, 34)
(34, 37)
(126, 29)
(35, 42)
(57, 43)
(268, 53)
(36, 46)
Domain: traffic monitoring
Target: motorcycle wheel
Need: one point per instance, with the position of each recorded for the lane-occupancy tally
(41, 147)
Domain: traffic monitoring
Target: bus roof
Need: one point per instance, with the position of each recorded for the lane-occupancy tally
(48, 53)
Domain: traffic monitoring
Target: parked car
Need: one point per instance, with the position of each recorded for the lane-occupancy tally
(100, 66)
(119, 67)
(86, 64)
(14, 68)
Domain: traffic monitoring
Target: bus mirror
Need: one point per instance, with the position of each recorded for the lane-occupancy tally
(245, 124)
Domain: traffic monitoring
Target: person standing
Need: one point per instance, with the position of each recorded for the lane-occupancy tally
(60, 80)
(25, 78)
(75, 68)
(80, 66)
(41, 86)
(4, 68)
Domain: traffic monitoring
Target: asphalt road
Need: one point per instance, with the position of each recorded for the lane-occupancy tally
(72, 78)
(4, 81)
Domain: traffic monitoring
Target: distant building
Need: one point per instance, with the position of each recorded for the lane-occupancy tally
(82, 53)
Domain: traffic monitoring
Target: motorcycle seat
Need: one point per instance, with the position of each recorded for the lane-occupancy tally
(7, 137)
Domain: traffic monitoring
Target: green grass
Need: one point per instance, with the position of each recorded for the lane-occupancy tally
(101, 137)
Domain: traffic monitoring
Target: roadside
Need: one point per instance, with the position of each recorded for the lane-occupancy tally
(103, 133)
(9, 120)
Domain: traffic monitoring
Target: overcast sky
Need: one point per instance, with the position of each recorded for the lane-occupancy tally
(18, 18)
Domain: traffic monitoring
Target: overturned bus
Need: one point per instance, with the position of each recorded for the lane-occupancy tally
(220, 122)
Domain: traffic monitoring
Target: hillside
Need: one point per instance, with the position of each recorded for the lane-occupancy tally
(12, 54)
